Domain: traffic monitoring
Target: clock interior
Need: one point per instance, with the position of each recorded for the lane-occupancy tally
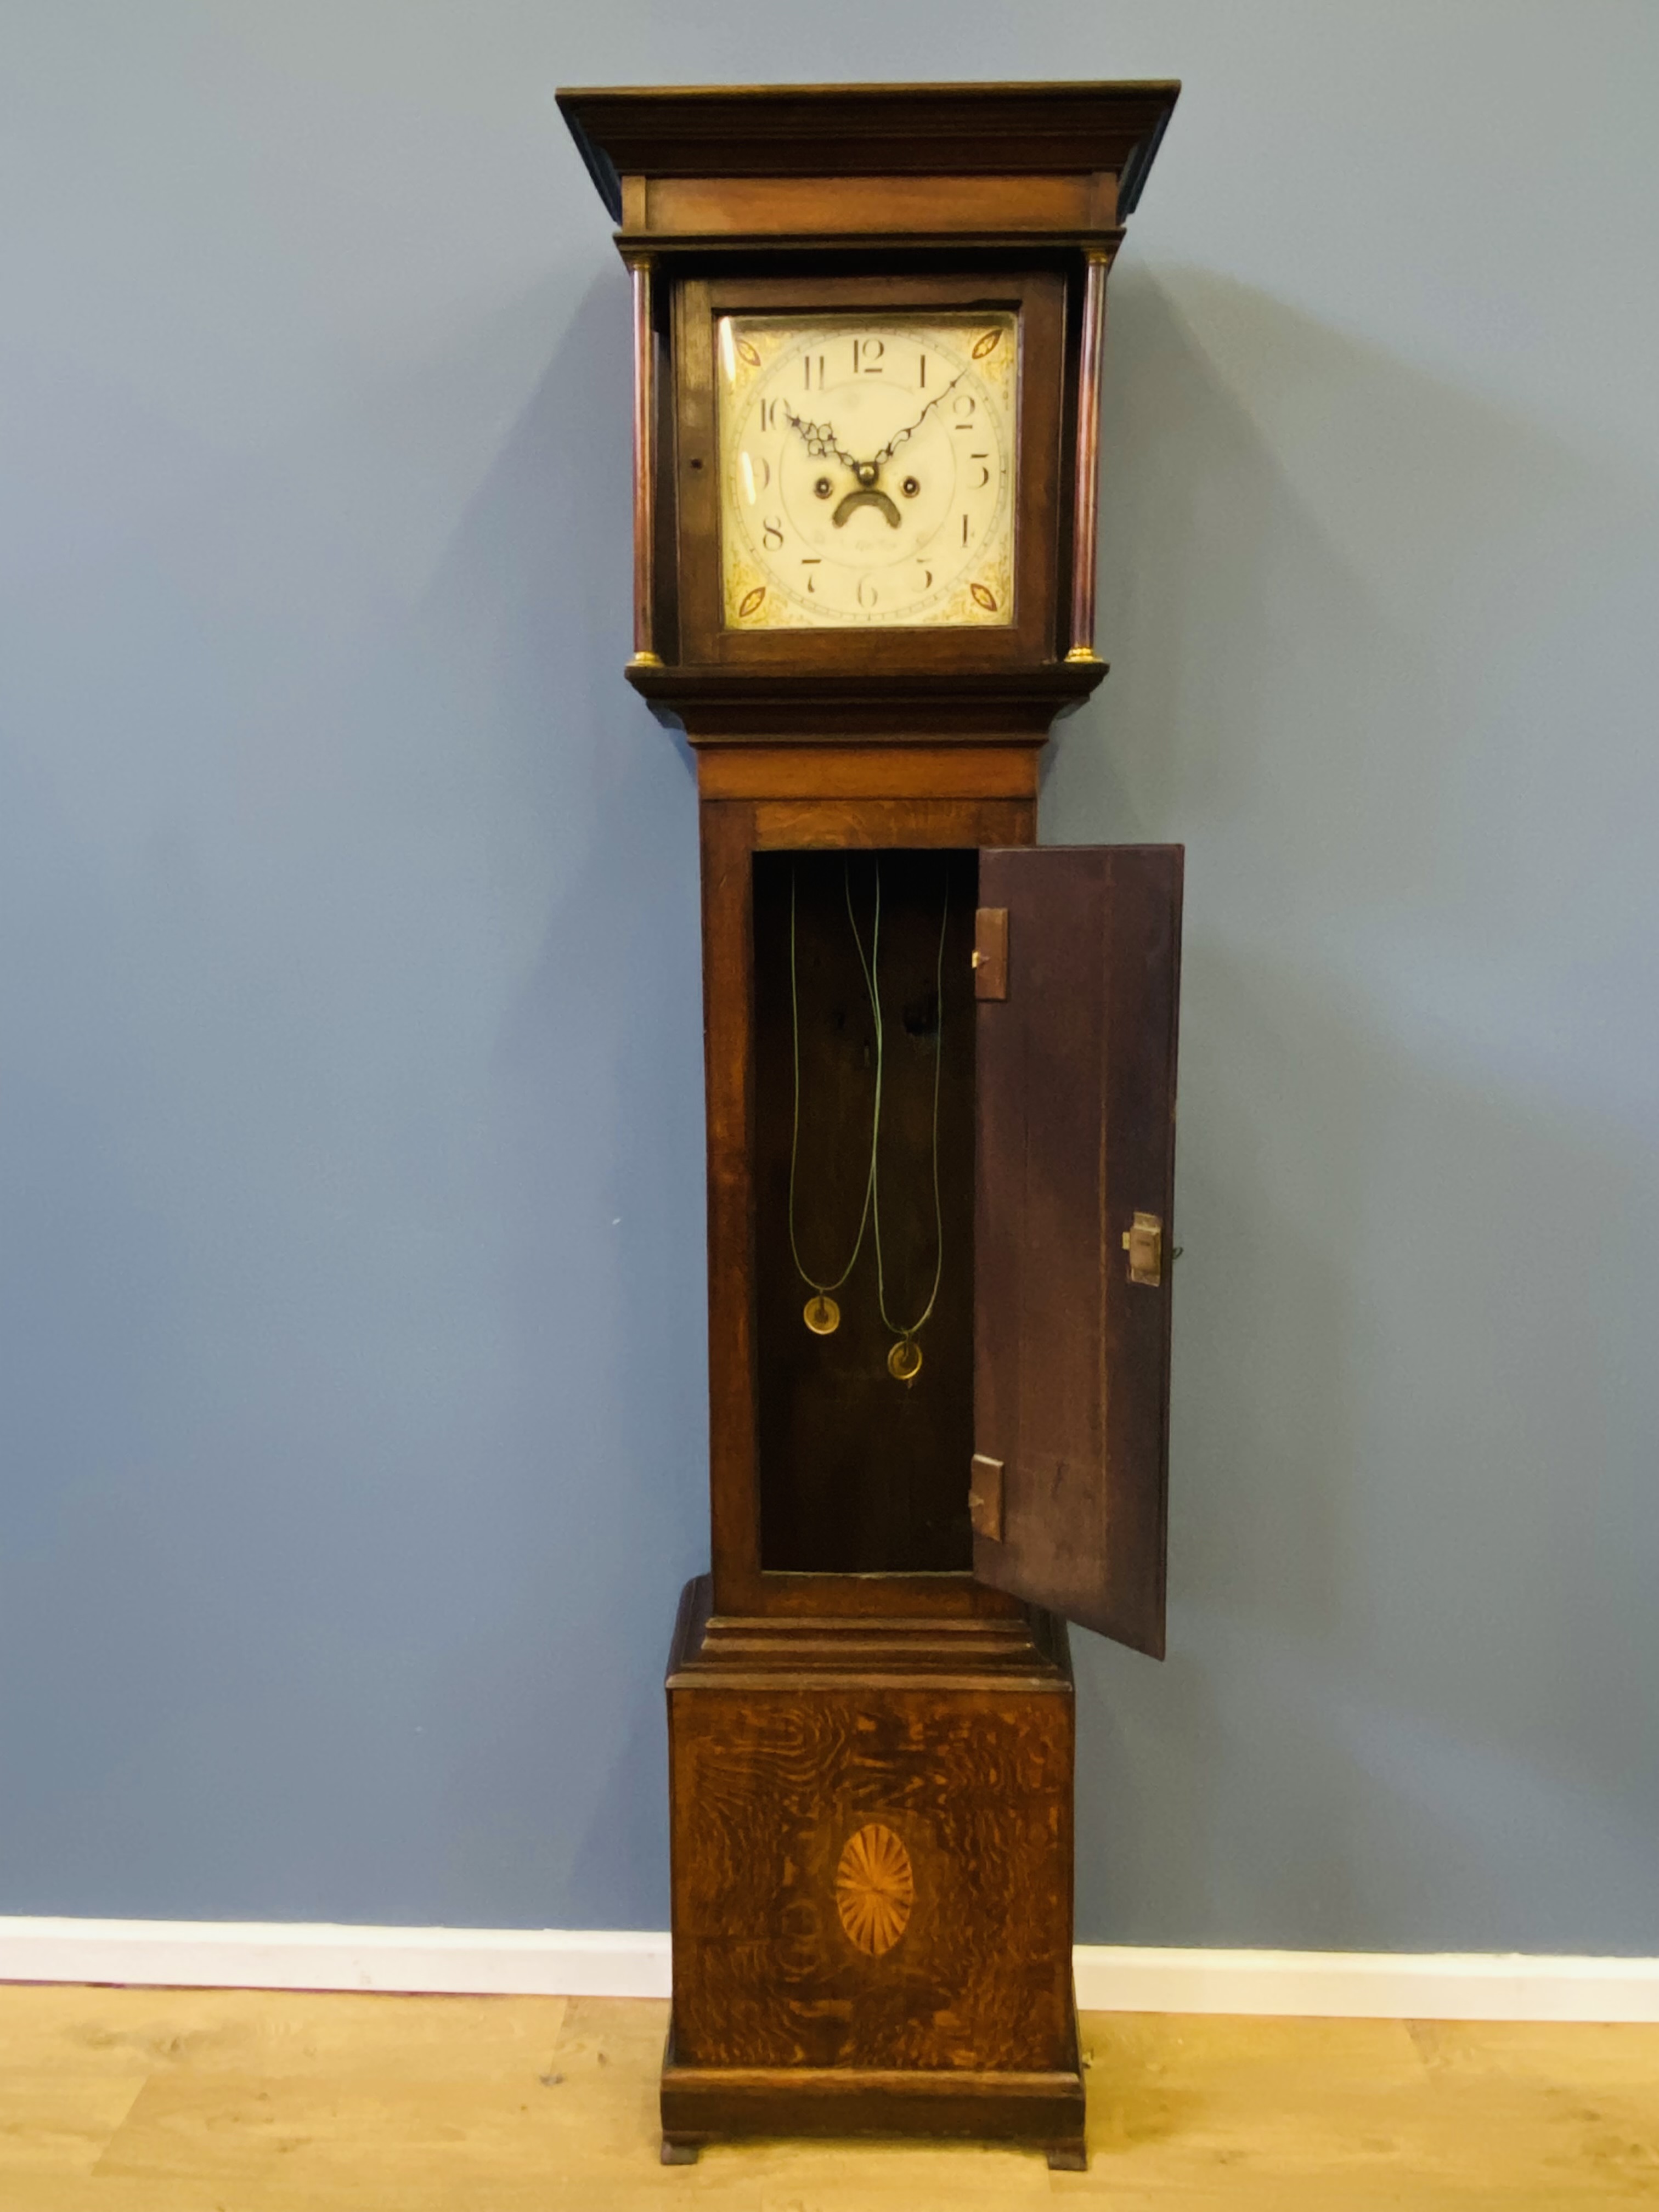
(864, 1213)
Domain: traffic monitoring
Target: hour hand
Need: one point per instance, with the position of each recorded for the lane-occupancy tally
(821, 443)
(820, 439)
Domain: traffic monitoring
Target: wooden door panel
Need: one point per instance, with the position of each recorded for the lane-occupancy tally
(1076, 1138)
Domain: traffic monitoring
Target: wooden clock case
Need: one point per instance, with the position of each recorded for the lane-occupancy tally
(869, 1695)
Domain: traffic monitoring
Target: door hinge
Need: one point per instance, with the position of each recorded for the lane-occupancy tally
(1144, 1242)
(991, 952)
(985, 1497)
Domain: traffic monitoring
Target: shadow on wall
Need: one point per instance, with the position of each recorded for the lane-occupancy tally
(1381, 649)
(599, 1092)
(356, 1421)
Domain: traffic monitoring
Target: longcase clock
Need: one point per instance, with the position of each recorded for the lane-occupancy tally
(940, 1077)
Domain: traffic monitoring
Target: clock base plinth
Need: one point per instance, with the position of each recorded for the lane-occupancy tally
(871, 1851)
(722, 2104)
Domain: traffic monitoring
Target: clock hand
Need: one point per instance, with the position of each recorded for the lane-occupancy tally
(821, 443)
(868, 472)
(899, 436)
(820, 439)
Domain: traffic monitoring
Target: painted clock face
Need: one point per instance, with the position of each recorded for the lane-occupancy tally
(867, 468)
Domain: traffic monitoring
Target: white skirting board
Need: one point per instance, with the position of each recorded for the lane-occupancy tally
(1366, 1984)
(627, 1963)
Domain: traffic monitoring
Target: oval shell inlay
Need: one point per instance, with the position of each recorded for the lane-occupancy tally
(874, 1889)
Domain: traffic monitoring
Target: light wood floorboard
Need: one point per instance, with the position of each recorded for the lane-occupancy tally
(156, 2100)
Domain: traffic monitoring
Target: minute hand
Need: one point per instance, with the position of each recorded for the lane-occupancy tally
(899, 436)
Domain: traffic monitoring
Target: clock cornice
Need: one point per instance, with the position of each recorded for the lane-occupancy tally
(645, 136)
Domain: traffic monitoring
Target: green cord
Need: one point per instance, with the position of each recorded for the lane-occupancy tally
(905, 1334)
(871, 1215)
(824, 1289)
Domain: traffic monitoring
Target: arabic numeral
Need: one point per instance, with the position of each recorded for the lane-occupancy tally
(756, 472)
(807, 364)
(867, 356)
(772, 534)
(868, 595)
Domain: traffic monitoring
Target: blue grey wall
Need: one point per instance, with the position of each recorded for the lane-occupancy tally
(350, 1300)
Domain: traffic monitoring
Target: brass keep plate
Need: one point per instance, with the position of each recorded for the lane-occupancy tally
(1144, 1242)
(991, 952)
(985, 1497)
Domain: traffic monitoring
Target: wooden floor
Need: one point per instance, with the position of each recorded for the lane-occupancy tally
(147, 2100)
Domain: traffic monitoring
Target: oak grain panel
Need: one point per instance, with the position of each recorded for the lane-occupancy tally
(769, 1788)
(727, 927)
(913, 771)
(1076, 1097)
(831, 823)
(804, 205)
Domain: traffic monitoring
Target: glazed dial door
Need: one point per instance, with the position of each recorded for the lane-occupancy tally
(867, 470)
(1078, 964)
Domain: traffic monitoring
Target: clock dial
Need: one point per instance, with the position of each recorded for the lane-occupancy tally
(867, 470)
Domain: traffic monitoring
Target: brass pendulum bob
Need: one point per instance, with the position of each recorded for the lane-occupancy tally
(904, 1360)
(822, 1315)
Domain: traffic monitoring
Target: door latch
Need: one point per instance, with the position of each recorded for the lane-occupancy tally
(985, 1498)
(991, 952)
(1144, 1242)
